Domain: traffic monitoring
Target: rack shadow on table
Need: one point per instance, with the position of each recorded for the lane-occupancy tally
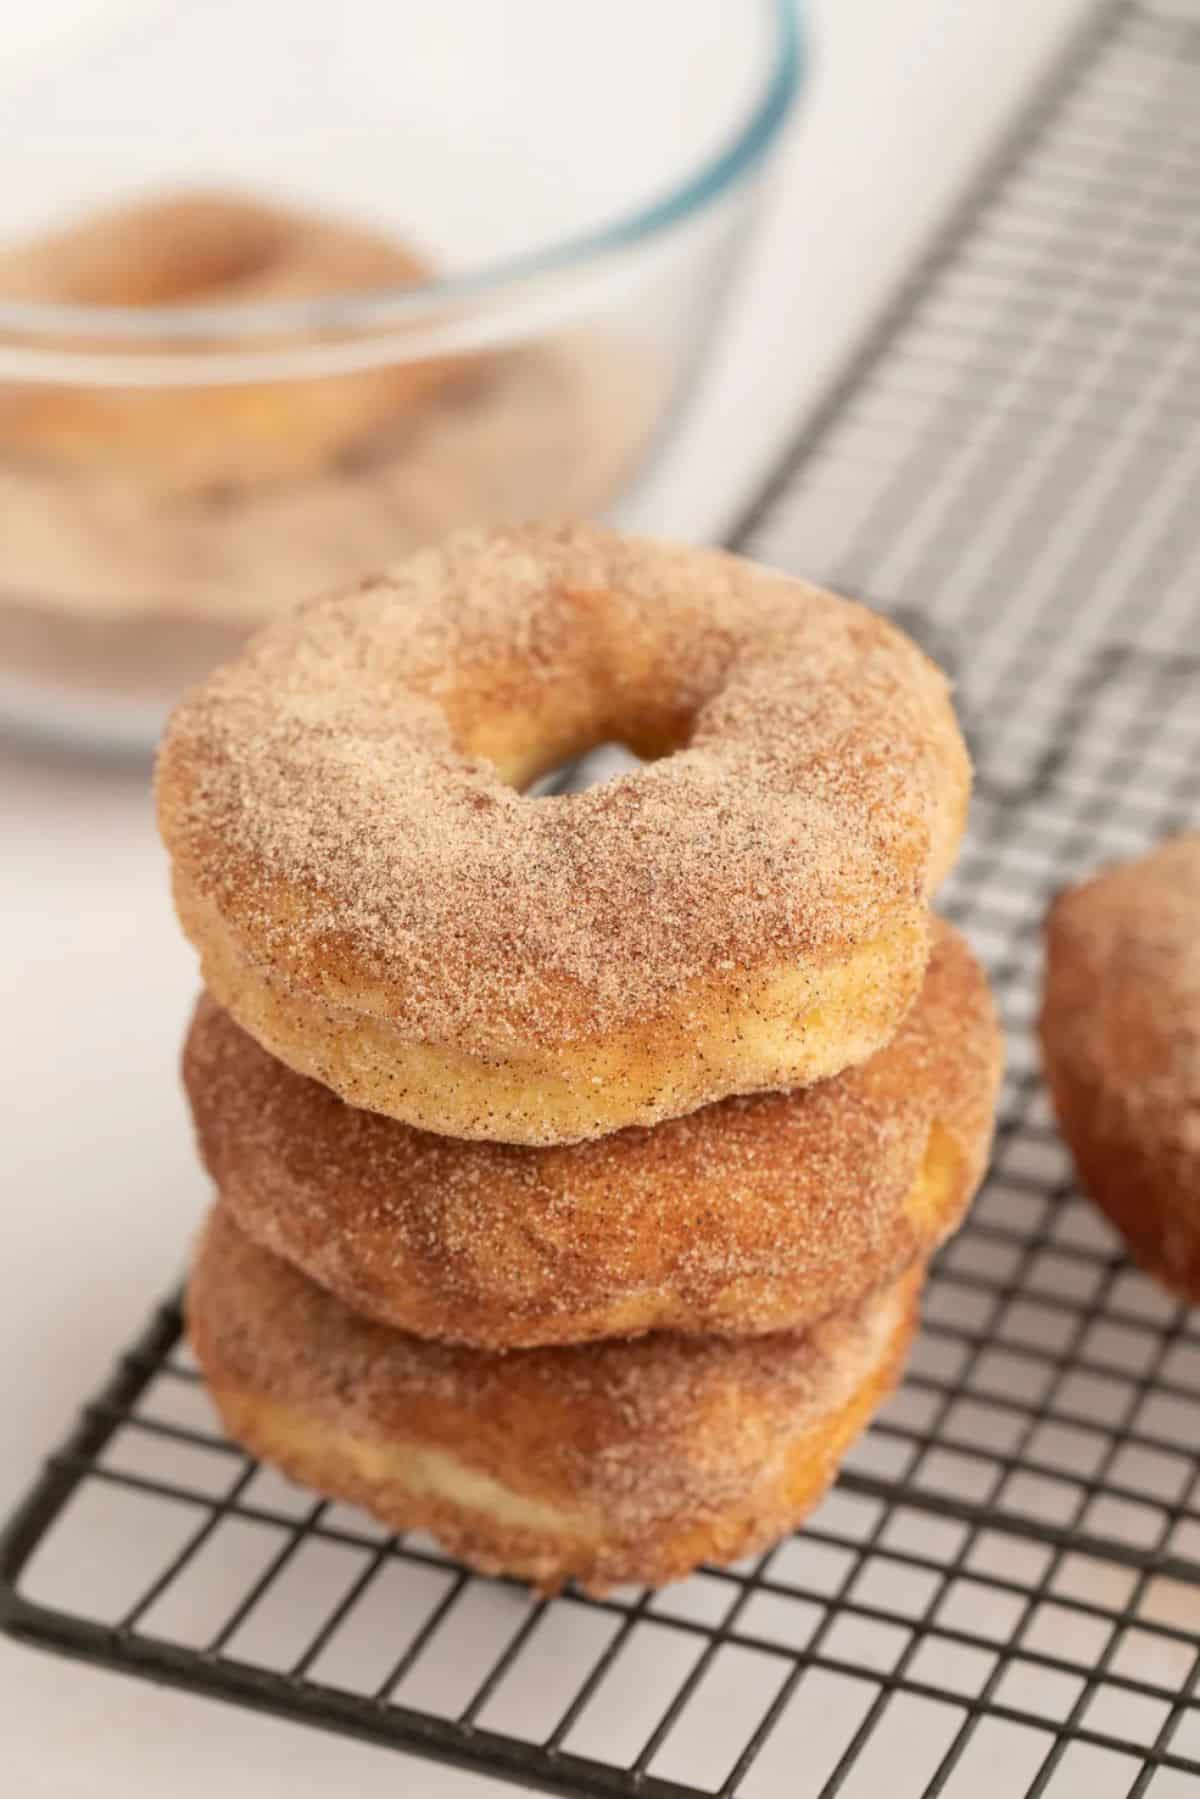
(1002, 1594)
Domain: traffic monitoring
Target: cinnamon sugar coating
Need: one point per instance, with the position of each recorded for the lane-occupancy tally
(1120, 1032)
(365, 882)
(748, 1216)
(606, 1462)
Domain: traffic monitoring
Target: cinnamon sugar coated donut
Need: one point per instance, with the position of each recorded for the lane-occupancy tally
(207, 249)
(751, 1215)
(378, 904)
(608, 1463)
(1120, 1032)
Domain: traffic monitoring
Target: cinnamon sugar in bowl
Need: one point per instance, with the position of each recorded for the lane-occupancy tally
(298, 289)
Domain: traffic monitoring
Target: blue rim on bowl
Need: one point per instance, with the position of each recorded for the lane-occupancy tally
(715, 176)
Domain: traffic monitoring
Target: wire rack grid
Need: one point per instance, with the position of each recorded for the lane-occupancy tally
(1002, 1594)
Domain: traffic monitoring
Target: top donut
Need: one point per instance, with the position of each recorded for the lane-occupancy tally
(376, 900)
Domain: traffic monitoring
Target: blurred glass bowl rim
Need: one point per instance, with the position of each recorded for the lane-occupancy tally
(94, 337)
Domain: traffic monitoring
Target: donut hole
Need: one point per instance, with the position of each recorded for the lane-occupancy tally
(197, 258)
(592, 768)
(171, 250)
(185, 275)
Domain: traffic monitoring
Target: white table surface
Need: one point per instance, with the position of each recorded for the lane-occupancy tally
(101, 1190)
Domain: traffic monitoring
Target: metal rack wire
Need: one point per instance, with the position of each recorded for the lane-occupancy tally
(1002, 1595)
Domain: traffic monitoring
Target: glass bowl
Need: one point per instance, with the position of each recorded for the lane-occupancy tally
(287, 289)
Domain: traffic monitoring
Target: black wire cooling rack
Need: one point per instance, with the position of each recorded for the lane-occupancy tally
(1002, 1595)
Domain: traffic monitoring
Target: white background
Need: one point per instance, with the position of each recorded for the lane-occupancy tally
(101, 1191)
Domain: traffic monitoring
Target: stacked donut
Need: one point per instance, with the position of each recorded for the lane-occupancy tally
(578, 1157)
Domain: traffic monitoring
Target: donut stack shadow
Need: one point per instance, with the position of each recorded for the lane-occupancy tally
(607, 1358)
